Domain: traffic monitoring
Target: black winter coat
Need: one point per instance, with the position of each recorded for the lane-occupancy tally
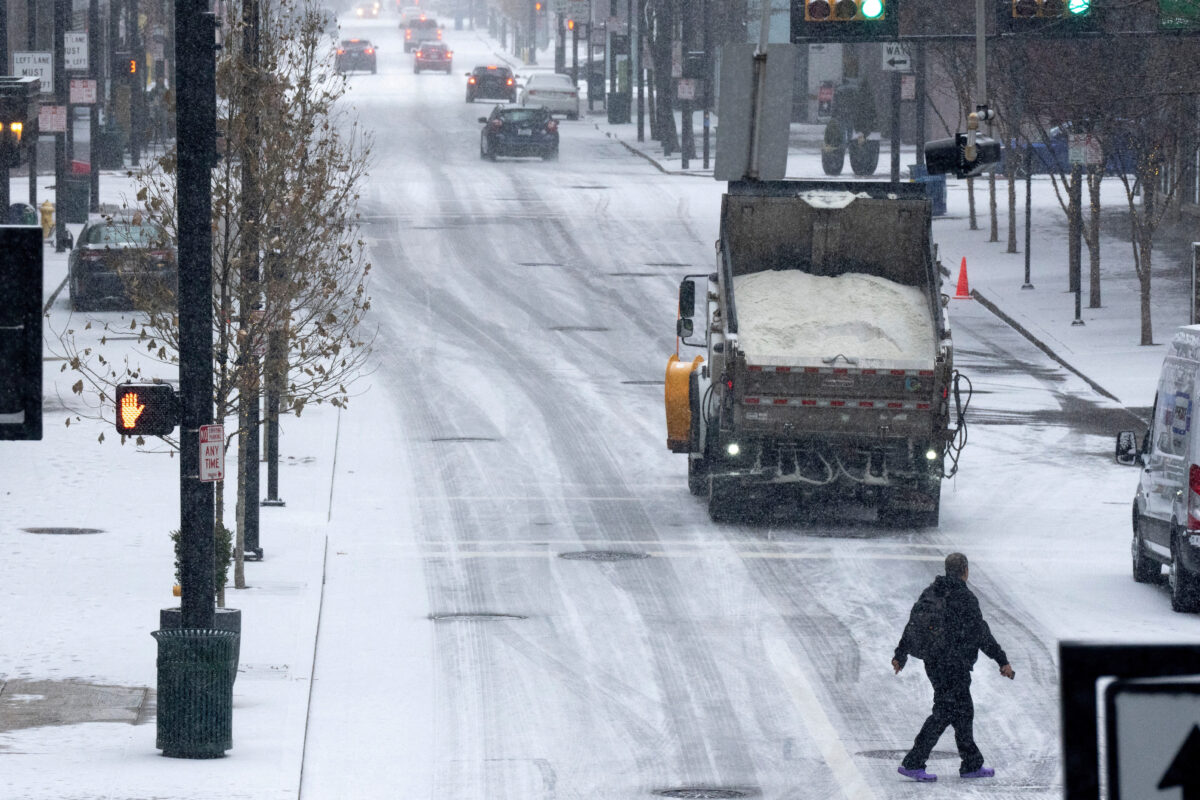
(967, 630)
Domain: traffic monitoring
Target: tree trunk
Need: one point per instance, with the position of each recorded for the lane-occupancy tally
(1093, 238)
(1144, 253)
(994, 232)
(664, 35)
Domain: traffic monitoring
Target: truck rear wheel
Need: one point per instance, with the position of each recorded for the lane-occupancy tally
(1184, 594)
(1145, 569)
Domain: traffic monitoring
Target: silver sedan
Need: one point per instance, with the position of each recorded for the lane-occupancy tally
(552, 90)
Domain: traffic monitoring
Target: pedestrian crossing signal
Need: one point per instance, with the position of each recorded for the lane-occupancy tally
(146, 409)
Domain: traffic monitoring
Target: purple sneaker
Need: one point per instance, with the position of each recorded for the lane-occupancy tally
(917, 774)
(982, 772)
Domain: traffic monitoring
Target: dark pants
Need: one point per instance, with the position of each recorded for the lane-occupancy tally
(951, 706)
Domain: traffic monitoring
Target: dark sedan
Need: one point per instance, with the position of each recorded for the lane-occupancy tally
(433, 55)
(519, 131)
(355, 54)
(491, 82)
(122, 263)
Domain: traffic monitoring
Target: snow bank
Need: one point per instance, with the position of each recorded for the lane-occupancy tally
(788, 315)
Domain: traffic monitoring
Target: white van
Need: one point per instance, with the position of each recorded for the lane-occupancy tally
(1166, 509)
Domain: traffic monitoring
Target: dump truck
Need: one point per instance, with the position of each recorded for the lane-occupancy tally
(827, 369)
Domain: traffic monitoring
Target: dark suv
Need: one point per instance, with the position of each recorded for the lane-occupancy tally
(519, 131)
(355, 54)
(491, 82)
(419, 30)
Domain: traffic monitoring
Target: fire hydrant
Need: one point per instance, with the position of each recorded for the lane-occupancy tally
(47, 209)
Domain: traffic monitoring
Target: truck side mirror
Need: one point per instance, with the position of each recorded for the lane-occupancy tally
(1128, 453)
(687, 300)
(683, 328)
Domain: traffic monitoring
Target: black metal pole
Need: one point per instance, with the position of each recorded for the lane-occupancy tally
(919, 67)
(93, 32)
(708, 78)
(895, 125)
(1075, 240)
(62, 19)
(4, 177)
(197, 114)
(560, 43)
(1028, 213)
(31, 15)
(532, 32)
(575, 52)
(251, 296)
(641, 75)
(137, 86)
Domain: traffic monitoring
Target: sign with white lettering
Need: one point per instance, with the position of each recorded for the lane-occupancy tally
(896, 58)
(52, 119)
(83, 91)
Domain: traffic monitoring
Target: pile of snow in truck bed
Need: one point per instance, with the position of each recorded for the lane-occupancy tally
(789, 315)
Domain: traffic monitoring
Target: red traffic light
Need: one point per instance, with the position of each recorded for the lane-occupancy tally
(146, 409)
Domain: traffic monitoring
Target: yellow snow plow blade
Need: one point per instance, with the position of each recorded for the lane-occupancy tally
(679, 409)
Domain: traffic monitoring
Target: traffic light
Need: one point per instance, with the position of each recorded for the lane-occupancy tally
(11, 133)
(949, 156)
(844, 20)
(146, 409)
(21, 332)
(18, 117)
(1047, 17)
(570, 24)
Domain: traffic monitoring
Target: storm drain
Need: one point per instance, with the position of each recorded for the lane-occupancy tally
(606, 555)
(582, 186)
(462, 439)
(702, 793)
(898, 755)
(634, 274)
(668, 264)
(538, 264)
(577, 329)
(474, 617)
(63, 531)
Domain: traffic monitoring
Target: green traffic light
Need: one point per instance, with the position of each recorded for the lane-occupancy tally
(873, 9)
(1078, 8)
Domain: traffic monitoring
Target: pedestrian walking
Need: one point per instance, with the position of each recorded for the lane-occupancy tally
(946, 630)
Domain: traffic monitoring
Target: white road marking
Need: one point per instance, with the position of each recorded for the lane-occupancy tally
(792, 667)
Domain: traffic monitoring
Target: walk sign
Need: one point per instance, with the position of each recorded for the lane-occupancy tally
(212, 453)
(1153, 738)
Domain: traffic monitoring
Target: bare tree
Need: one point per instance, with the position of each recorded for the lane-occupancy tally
(310, 159)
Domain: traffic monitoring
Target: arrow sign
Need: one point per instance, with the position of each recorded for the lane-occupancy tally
(895, 58)
(1185, 769)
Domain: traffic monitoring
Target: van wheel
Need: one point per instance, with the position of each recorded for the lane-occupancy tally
(1145, 569)
(1183, 583)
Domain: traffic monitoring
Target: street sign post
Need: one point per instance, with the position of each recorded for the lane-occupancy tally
(212, 453)
(1152, 738)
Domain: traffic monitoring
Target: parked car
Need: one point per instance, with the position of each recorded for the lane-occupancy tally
(355, 54)
(1166, 507)
(553, 91)
(419, 30)
(512, 130)
(119, 262)
(1053, 154)
(491, 82)
(433, 55)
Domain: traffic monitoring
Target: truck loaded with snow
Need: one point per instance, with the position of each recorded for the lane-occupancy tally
(828, 365)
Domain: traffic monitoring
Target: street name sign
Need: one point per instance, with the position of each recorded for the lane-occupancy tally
(896, 58)
(1153, 738)
(36, 64)
(212, 453)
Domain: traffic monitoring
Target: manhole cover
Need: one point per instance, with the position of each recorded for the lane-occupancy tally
(474, 617)
(898, 755)
(63, 531)
(702, 793)
(605, 555)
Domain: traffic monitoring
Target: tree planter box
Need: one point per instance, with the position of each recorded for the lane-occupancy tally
(833, 159)
(864, 156)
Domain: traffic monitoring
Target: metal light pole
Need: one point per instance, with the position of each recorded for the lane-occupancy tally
(62, 18)
(31, 15)
(4, 198)
(533, 12)
(93, 33)
(1028, 212)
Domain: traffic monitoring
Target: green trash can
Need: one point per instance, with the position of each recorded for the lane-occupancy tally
(196, 668)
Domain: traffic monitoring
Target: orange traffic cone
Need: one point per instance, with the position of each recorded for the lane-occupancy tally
(962, 293)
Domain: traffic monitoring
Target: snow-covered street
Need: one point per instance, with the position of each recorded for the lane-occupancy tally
(490, 582)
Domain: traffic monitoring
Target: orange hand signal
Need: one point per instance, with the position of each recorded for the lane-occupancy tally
(130, 410)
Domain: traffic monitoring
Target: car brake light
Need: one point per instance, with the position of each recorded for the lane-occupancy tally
(408, 34)
(552, 126)
(508, 82)
(420, 54)
(370, 51)
(92, 255)
(471, 79)
(341, 52)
